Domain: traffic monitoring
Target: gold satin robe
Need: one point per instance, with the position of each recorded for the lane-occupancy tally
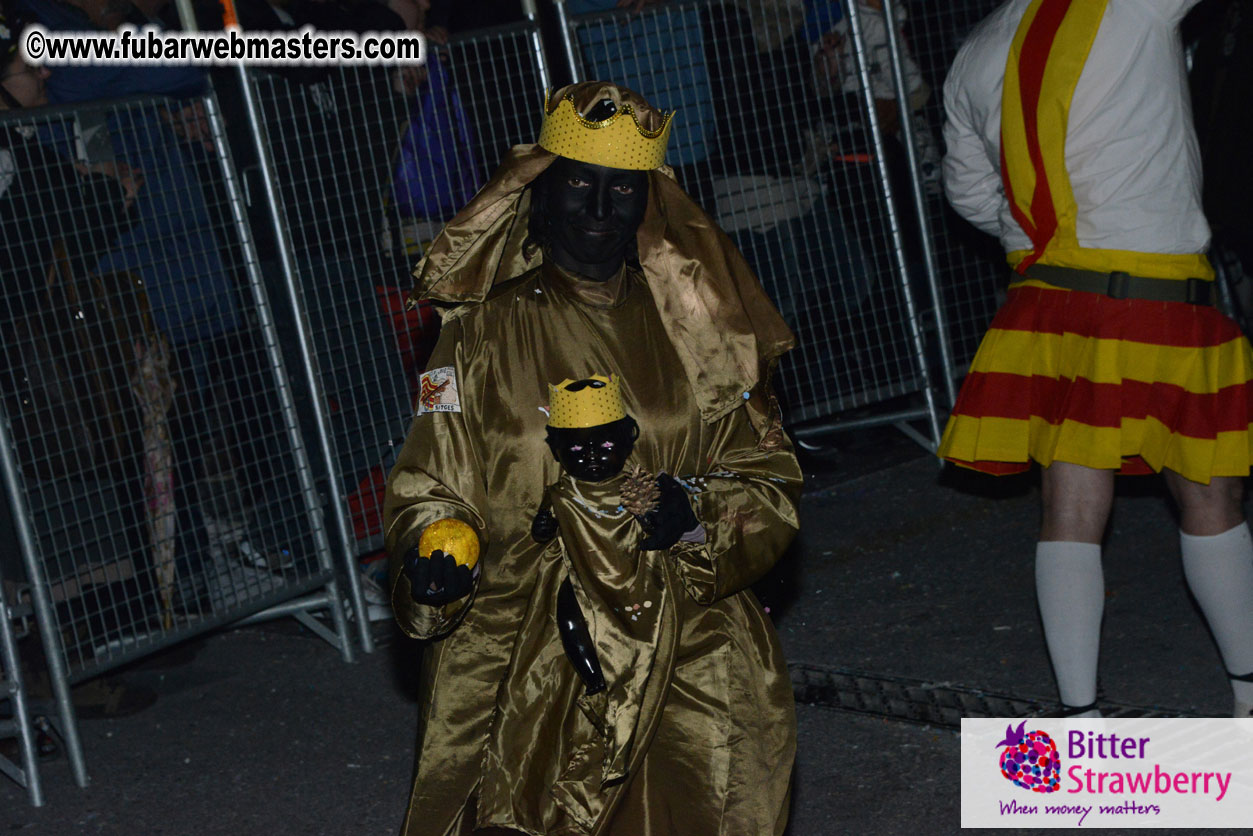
(706, 742)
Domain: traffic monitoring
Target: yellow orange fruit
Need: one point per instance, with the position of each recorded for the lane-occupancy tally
(452, 537)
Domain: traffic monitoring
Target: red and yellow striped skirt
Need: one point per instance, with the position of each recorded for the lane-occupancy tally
(1115, 384)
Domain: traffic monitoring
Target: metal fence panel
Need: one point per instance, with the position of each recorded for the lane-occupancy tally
(25, 770)
(775, 143)
(369, 162)
(158, 468)
(971, 264)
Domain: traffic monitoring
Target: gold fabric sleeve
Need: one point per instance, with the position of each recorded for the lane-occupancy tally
(747, 505)
(417, 496)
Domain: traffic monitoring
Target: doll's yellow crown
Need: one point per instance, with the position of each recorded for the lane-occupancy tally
(597, 401)
(617, 142)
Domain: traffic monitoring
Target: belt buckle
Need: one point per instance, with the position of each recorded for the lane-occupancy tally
(1119, 284)
(1197, 291)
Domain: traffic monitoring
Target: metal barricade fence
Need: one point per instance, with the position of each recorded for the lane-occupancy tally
(367, 163)
(152, 443)
(774, 137)
(157, 480)
(24, 771)
(971, 265)
(782, 146)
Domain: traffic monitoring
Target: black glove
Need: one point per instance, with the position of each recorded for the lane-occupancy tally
(544, 526)
(437, 579)
(671, 519)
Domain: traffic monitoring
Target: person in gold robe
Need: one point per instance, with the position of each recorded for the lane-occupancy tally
(583, 256)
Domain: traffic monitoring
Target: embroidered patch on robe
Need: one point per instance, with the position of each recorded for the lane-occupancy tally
(439, 391)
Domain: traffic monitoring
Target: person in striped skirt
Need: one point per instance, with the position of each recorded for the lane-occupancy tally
(1069, 136)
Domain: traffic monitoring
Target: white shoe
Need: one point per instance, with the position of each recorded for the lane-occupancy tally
(378, 607)
(272, 561)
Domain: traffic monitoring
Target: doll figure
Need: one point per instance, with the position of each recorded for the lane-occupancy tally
(594, 454)
(608, 579)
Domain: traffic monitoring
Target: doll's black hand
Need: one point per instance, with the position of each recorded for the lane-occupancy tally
(544, 526)
(671, 519)
(437, 579)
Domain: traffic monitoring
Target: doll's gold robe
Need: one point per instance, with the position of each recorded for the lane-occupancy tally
(713, 736)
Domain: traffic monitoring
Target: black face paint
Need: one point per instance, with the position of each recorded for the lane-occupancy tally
(594, 454)
(592, 214)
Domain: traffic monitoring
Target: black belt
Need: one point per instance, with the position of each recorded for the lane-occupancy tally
(1120, 285)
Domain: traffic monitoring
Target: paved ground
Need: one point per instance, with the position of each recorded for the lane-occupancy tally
(901, 572)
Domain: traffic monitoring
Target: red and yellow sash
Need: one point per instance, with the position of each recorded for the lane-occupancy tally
(1046, 58)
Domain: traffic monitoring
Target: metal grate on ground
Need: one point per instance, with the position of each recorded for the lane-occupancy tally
(930, 703)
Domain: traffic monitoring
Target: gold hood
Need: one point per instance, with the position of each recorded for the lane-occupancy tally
(726, 330)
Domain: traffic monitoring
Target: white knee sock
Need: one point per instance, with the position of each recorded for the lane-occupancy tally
(1219, 569)
(1070, 589)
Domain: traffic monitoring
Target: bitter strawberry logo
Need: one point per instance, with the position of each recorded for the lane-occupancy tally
(1030, 760)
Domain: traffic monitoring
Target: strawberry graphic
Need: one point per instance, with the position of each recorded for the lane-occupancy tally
(1030, 760)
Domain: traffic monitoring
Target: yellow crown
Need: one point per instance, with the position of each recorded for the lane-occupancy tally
(617, 142)
(589, 406)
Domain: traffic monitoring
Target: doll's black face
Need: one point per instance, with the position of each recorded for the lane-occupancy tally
(594, 454)
(592, 214)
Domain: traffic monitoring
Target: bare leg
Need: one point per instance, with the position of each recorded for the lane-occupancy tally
(1210, 509)
(1076, 503)
(1070, 587)
(1218, 563)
